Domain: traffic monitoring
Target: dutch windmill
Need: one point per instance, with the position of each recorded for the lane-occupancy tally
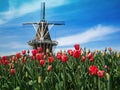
(42, 38)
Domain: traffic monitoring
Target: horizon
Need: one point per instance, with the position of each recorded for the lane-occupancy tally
(92, 24)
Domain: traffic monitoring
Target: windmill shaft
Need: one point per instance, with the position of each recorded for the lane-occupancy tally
(43, 10)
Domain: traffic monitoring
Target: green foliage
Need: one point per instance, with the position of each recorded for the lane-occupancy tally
(71, 75)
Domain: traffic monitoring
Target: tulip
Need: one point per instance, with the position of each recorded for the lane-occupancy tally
(77, 46)
(4, 58)
(23, 52)
(89, 55)
(83, 58)
(34, 52)
(51, 59)
(58, 56)
(93, 70)
(42, 62)
(32, 57)
(105, 66)
(18, 55)
(44, 56)
(49, 68)
(70, 52)
(91, 59)
(64, 58)
(39, 79)
(39, 49)
(76, 53)
(100, 73)
(12, 71)
(39, 56)
(4, 62)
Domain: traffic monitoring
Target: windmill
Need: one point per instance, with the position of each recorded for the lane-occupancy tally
(42, 38)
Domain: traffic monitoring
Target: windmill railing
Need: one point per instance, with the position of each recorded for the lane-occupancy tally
(32, 42)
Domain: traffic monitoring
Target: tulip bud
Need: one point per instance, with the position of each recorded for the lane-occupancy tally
(12, 71)
(49, 68)
(26, 74)
(47, 50)
(105, 66)
(103, 53)
(107, 76)
(30, 82)
(39, 79)
(77, 46)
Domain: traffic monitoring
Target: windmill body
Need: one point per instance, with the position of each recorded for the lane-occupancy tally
(42, 38)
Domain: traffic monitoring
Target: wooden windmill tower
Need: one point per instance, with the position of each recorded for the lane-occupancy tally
(42, 38)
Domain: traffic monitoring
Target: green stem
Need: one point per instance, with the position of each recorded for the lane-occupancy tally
(64, 76)
(99, 88)
(109, 86)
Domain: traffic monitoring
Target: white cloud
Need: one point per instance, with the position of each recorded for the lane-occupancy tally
(96, 33)
(25, 8)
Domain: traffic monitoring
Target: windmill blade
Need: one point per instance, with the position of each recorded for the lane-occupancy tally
(31, 23)
(34, 28)
(56, 22)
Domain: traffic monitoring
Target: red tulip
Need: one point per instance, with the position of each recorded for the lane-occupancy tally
(12, 71)
(70, 52)
(18, 55)
(5, 62)
(42, 62)
(39, 56)
(93, 70)
(33, 57)
(58, 56)
(34, 52)
(44, 56)
(77, 46)
(91, 59)
(100, 73)
(49, 68)
(51, 59)
(23, 52)
(76, 53)
(64, 58)
(83, 58)
(3, 57)
(39, 49)
(89, 55)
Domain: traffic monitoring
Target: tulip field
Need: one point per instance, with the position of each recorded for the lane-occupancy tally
(77, 69)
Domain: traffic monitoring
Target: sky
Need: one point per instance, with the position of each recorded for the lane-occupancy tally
(94, 24)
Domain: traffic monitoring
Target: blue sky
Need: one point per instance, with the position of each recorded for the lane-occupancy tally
(94, 24)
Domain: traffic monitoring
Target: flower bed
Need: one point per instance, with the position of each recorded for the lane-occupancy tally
(76, 69)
